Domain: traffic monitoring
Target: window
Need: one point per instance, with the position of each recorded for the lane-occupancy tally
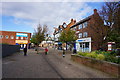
(1, 36)
(6, 36)
(85, 34)
(80, 26)
(84, 24)
(21, 37)
(64, 25)
(75, 28)
(80, 35)
(17, 37)
(12, 37)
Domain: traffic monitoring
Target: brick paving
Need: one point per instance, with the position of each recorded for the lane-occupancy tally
(52, 65)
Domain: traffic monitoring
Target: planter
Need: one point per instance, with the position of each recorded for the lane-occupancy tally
(108, 67)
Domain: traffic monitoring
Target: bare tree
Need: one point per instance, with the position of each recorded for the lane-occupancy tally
(110, 13)
(40, 33)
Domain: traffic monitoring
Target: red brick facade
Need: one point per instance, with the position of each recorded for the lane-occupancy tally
(95, 30)
(9, 37)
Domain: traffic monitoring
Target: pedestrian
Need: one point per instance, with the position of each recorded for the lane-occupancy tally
(36, 49)
(63, 52)
(25, 50)
(46, 51)
(74, 51)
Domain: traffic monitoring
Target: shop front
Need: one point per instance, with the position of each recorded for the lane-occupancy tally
(22, 40)
(22, 43)
(83, 45)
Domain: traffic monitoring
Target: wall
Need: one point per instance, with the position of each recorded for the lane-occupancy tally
(104, 66)
(9, 49)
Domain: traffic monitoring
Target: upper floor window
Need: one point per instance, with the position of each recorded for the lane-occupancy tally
(80, 35)
(12, 37)
(64, 25)
(75, 28)
(21, 37)
(6, 36)
(84, 24)
(17, 37)
(80, 26)
(85, 34)
(1, 36)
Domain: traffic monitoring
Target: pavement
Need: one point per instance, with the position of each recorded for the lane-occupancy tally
(52, 65)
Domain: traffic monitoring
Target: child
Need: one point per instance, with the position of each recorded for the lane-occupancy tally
(46, 51)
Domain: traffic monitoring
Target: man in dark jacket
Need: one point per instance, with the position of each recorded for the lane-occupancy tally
(25, 51)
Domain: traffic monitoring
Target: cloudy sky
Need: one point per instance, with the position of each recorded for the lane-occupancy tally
(25, 16)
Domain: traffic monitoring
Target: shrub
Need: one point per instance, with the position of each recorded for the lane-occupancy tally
(112, 59)
(100, 57)
(82, 53)
(93, 52)
(92, 55)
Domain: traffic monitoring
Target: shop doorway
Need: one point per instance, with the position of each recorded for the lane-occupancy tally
(84, 47)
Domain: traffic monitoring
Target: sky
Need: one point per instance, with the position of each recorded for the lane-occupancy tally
(25, 16)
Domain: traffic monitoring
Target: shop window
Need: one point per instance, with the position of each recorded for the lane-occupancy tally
(6, 36)
(80, 26)
(17, 37)
(80, 35)
(12, 37)
(84, 24)
(1, 36)
(85, 34)
(87, 45)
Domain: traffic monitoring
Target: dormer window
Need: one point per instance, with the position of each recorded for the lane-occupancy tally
(64, 25)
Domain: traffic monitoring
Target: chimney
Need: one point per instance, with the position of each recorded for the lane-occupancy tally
(95, 11)
(74, 21)
(71, 20)
(64, 23)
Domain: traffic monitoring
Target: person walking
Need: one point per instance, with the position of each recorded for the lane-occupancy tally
(74, 51)
(46, 51)
(63, 52)
(25, 50)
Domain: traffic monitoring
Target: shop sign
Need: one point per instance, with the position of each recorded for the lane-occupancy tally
(21, 41)
(59, 42)
(84, 40)
(21, 35)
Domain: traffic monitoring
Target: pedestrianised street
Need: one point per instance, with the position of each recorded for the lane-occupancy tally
(52, 65)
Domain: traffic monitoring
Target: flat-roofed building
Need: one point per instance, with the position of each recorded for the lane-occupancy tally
(15, 38)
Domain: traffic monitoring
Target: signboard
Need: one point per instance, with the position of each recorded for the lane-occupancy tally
(21, 41)
(21, 35)
(84, 40)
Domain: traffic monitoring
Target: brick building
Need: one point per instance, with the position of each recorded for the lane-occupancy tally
(15, 38)
(90, 32)
(60, 28)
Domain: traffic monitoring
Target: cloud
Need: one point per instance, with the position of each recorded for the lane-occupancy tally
(58, 0)
(49, 13)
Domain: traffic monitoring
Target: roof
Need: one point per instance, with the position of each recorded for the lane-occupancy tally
(15, 31)
(81, 21)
